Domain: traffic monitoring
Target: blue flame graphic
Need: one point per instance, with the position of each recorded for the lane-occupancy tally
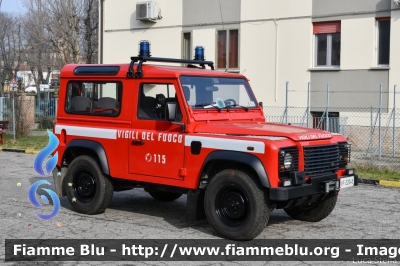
(35, 202)
(38, 166)
(42, 155)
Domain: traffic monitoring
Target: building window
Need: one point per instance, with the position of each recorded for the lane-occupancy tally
(228, 49)
(187, 45)
(383, 41)
(327, 44)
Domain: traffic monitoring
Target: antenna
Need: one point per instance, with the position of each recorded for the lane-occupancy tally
(220, 11)
(222, 20)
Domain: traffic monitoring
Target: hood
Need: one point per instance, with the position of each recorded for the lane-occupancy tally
(295, 133)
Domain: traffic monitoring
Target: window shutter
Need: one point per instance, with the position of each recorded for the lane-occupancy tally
(326, 27)
(382, 19)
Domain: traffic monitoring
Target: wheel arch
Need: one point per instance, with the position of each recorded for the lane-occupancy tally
(79, 147)
(218, 160)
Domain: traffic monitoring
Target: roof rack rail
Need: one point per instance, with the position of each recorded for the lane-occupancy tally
(141, 59)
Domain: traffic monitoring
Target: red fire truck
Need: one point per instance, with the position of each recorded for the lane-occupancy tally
(188, 129)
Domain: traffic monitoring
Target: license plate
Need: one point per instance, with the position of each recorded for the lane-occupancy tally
(347, 182)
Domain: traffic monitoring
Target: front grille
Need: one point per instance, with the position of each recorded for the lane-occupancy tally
(320, 160)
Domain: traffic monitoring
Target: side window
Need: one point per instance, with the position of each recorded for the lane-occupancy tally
(94, 98)
(153, 98)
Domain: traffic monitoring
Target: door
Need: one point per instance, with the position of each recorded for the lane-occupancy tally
(157, 145)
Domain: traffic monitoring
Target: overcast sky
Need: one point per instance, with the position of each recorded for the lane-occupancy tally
(12, 6)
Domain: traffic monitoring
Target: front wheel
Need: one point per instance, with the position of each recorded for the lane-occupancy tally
(235, 205)
(314, 212)
(88, 190)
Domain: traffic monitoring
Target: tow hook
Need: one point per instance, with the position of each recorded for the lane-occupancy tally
(331, 185)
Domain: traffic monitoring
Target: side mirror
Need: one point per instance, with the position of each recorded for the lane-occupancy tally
(170, 111)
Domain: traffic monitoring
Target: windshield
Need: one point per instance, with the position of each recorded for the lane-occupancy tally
(212, 92)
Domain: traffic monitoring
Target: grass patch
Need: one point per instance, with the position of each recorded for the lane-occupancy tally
(27, 143)
(367, 172)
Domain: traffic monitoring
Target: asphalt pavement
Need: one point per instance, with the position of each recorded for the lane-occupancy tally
(363, 212)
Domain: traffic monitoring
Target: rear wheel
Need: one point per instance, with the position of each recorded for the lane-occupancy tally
(314, 212)
(235, 205)
(88, 190)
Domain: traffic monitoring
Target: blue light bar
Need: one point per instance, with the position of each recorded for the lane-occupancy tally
(199, 53)
(144, 48)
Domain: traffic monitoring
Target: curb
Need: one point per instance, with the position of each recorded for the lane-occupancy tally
(368, 181)
(31, 152)
(385, 183)
(19, 150)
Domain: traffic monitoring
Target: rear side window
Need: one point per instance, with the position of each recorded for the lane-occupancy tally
(94, 98)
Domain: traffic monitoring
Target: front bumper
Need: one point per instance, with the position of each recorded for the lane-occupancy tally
(316, 186)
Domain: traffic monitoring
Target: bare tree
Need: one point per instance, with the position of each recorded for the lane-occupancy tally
(11, 44)
(70, 25)
(90, 15)
(37, 48)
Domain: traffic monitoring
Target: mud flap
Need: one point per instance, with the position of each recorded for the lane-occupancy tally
(195, 205)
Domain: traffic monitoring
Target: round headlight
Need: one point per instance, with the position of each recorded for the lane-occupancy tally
(287, 161)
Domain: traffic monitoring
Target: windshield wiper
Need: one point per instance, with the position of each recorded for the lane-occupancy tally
(237, 105)
(207, 105)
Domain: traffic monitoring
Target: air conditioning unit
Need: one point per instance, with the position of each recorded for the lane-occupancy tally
(147, 11)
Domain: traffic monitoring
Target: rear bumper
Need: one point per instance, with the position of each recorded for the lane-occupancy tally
(58, 176)
(318, 185)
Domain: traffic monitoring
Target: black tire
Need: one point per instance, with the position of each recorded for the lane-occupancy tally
(164, 195)
(88, 190)
(236, 205)
(315, 212)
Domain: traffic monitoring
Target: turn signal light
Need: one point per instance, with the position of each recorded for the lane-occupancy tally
(286, 183)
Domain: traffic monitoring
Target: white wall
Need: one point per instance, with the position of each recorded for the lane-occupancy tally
(259, 37)
(358, 43)
(123, 32)
(256, 9)
(293, 37)
(205, 38)
(394, 73)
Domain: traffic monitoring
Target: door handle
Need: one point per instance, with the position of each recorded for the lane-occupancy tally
(137, 142)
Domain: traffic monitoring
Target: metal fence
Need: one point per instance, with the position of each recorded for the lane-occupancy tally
(374, 135)
(27, 116)
(373, 132)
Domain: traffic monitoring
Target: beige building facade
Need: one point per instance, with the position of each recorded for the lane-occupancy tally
(350, 44)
